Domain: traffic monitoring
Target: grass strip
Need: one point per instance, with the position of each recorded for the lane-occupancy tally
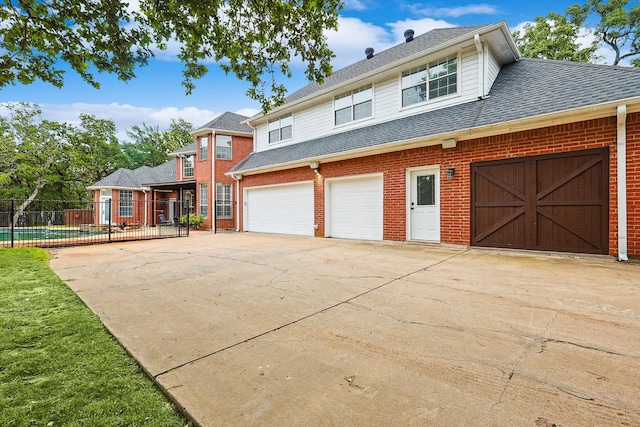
(59, 366)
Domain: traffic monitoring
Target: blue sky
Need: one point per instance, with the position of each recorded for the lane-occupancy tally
(156, 95)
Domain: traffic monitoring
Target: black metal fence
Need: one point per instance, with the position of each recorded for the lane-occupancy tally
(51, 223)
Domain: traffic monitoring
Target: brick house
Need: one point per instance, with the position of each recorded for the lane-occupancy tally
(452, 137)
(194, 180)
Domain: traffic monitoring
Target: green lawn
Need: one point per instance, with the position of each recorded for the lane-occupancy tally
(58, 365)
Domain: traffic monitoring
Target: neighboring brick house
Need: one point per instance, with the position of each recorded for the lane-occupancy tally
(452, 137)
(193, 181)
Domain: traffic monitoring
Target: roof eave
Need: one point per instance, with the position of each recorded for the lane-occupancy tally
(591, 112)
(502, 25)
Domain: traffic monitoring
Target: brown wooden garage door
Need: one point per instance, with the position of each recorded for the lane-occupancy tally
(556, 202)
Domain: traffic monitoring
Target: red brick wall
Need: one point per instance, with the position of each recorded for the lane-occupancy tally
(202, 174)
(241, 147)
(455, 193)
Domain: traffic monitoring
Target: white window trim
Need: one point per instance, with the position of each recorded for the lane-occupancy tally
(280, 127)
(230, 147)
(439, 99)
(352, 106)
(230, 201)
(204, 138)
(204, 186)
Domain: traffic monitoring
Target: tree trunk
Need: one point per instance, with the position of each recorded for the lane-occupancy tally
(26, 203)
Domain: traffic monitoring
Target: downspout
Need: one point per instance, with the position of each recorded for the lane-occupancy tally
(622, 183)
(146, 207)
(481, 66)
(237, 178)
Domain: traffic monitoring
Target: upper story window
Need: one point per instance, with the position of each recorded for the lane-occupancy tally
(204, 147)
(437, 79)
(280, 129)
(187, 166)
(223, 147)
(354, 105)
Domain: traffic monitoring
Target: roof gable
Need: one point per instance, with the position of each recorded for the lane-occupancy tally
(529, 88)
(140, 177)
(228, 121)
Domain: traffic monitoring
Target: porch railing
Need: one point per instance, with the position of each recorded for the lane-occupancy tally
(51, 223)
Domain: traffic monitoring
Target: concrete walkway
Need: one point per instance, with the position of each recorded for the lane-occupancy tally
(262, 330)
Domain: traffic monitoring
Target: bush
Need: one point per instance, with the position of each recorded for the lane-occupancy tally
(195, 221)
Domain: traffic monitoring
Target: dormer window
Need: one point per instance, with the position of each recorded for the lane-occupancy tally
(438, 78)
(354, 105)
(281, 129)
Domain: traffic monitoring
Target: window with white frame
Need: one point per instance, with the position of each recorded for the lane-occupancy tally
(223, 201)
(126, 203)
(354, 105)
(438, 78)
(223, 147)
(204, 199)
(281, 129)
(204, 147)
(187, 166)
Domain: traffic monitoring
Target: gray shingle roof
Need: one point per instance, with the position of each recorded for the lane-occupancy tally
(526, 88)
(229, 122)
(187, 149)
(137, 178)
(387, 57)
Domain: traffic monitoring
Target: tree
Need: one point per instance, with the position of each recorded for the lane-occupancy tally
(151, 147)
(254, 39)
(617, 28)
(555, 36)
(95, 153)
(32, 147)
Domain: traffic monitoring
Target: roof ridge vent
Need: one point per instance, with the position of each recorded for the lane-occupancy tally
(408, 35)
(369, 52)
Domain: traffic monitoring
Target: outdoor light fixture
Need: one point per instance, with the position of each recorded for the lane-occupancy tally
(315, 166)
(451, 172)
(449, 143)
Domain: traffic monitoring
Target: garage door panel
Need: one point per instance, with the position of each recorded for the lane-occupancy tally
(355, 208)
(563, 199)
(286, 209)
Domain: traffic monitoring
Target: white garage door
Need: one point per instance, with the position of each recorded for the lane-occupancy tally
(286, 209)
(355, 208)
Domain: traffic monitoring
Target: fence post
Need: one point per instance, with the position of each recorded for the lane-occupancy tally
(109, 218)
(215, 216)
(13, 212)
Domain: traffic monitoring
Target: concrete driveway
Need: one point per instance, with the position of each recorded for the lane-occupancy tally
(250, 329)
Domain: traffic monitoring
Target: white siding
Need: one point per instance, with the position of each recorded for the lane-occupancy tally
(493, 70)
(317, 120)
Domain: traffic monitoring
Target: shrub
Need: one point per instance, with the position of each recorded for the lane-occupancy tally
(195, 221)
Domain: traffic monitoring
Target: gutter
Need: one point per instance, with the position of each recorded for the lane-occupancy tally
(622, 182)
(606, 109)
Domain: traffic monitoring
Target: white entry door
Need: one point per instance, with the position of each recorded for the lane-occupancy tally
(424, 205)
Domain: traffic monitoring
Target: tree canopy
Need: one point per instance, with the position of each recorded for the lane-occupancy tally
(57, 161)
(256, 40)
(612, 23)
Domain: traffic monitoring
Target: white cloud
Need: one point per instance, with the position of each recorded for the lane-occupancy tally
(420, 26)
(125, 115)
(353, 37)
(453, 12)
(354, 5)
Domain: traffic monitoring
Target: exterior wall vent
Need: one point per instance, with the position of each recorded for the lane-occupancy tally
(408, 35)
(369, 52)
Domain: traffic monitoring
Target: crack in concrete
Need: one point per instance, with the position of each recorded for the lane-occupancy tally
(293, 322)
